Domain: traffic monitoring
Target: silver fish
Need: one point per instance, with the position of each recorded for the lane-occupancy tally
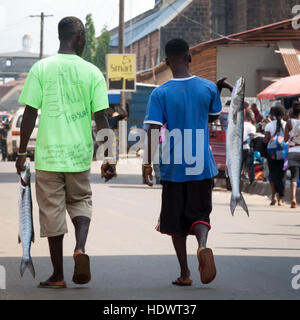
(26, 235)
(234, 145)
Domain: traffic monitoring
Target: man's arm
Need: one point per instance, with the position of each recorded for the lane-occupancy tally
(108, 170)
(101, 120)
(152, 147)
(27, 126)
(221, 84)
(288, 129)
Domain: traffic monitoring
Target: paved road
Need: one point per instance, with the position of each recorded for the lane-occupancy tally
(130, 260)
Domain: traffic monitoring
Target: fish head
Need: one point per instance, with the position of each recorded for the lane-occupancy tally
(238, 93)
(25, 175)
(237, 99)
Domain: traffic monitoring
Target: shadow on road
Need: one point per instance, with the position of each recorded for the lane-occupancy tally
(150, 277)
(123, 179)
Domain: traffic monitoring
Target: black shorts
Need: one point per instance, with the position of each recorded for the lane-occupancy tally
(185, 205)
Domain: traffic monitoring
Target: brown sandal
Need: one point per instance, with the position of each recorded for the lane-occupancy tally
(207, 267)
(52, 285)
(82, 272)
(180, 283)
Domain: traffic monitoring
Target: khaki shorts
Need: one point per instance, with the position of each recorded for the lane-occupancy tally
(58, 192)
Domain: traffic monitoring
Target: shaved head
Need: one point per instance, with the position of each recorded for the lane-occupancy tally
(69, 27)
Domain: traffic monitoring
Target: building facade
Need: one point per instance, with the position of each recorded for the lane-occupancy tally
(195, 21)
(261, 55)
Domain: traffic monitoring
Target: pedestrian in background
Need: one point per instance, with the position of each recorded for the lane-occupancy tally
(4, 127)
(292, 135)
(248, 155)
(258, 116)
(274, 139)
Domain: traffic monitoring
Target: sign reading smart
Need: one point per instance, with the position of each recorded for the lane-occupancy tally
(121, 72)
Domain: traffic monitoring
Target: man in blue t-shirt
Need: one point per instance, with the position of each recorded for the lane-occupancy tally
(186, 105)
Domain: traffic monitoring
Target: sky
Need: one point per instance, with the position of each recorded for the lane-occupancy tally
(15, 21)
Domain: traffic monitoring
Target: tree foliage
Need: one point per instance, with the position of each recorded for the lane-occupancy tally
(102, 49)
(90, 47)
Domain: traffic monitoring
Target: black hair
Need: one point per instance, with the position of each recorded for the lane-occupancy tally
(279, 113)
(177, 47)
(68, 27)
(249, 116)
(296, 109)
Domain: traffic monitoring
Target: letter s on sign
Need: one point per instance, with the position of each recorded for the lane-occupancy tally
(296, 279)
(296, 19)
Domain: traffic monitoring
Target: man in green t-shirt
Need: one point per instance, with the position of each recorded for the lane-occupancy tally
(68, 90)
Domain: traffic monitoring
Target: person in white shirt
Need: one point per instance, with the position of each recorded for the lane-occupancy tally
(277, 174)
(248, 156)
(292, 135)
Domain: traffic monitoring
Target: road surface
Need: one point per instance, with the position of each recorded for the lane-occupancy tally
(130, 260)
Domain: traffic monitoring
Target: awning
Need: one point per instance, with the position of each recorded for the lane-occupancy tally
(291, 56)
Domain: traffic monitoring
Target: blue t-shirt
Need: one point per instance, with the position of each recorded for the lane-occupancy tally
(184, 105)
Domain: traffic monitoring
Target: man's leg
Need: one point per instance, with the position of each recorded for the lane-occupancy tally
(207, 267)
(81, 225)
(56, 253)
(79, 207)
(198, 210)
(201, 233)
(50, 191)
(180, 248)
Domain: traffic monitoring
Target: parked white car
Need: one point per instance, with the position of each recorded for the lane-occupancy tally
(13, 136)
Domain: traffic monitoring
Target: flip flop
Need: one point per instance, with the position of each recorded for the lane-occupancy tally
(181, 283)
(207, 267)
(82, 272)
(52, 285)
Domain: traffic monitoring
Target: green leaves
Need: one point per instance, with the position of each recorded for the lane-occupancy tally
(96, 48)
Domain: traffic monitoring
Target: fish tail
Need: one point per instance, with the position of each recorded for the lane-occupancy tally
(27, 263)
(240, 201)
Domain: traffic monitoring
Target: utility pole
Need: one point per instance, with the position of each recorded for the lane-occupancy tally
(122, 124)
(42, 16)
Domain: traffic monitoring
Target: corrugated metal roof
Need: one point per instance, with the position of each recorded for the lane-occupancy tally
(241, 37)
(19, 54)
(151, 23)
(290, 57)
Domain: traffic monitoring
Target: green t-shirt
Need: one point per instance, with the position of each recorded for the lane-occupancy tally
(67, 89)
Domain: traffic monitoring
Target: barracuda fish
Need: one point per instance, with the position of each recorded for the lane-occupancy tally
(234, 145)
(26, 235)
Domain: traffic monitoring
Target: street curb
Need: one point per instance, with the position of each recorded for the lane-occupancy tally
(258, 188)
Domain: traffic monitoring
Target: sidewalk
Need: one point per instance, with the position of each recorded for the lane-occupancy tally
(259, 188)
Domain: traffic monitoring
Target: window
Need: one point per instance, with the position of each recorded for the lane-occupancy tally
(8, 62)
(145, 62)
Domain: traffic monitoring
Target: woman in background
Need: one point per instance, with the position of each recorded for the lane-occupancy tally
(277, 174)
(292, 135)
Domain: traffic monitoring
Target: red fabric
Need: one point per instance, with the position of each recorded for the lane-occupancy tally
(289, 86)
(199, 222)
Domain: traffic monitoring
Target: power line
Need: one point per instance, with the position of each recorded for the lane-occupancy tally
(42, 16)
